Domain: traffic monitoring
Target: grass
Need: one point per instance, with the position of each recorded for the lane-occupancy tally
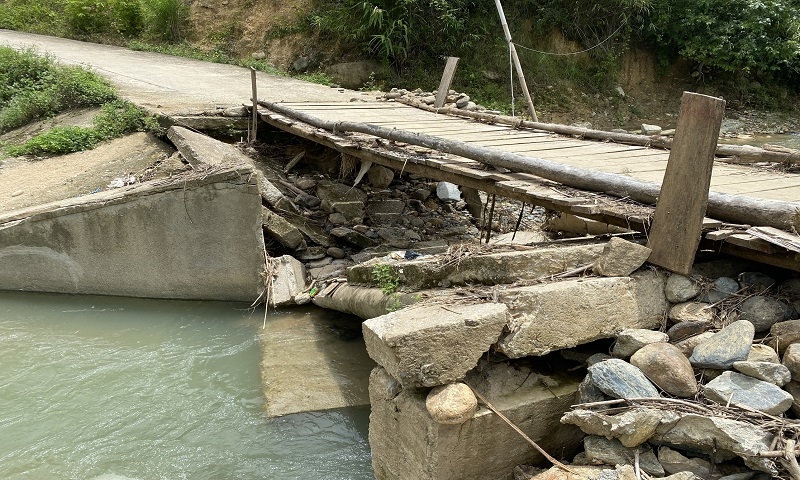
(33, 86)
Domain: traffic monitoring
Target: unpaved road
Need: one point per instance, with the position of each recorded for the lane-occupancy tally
(174, 85)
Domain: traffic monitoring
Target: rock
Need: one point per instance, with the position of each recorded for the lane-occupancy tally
(632, 428)
(611, 452)
(353, 237)
(335, 252)
(387, 212)
(632, 339)
(619, 91)
(793, 388)
(307, 201)
(688, 345)
(691, 312)
(337, 219)
(589, 393)
(744, 391)
(683, 330)
(774, 373)
(475, 202)
(451, 404)
(281, 230)
(258, 55)
(305, 183)
(674, 462)
(683, 476)
(763, 353)
(681, 288)
(784, 334)
(620, 379)
(762, 312)
(289, 279)
(620, 258)
(380, 176)
(343, 198)
(731, 344)
(596, 358)
(462, 102)
(717, 436)
(791, 360)
(234, 112)
(722, 288)
(582, 472)
(758, 280)
(666, 366)
(311, 253)
(791, 288)
(354, 75)
(448, 192)
(650, 129)
(598, 308)
(303, 64)
(428, 346)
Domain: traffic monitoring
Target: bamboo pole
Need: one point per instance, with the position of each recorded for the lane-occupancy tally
(515, 59)
(254, 130)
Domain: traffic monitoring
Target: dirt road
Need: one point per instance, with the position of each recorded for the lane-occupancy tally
(174, 85)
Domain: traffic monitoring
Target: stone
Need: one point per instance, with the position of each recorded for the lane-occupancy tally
(258, 55)
(632, 339)
(342, 198)
(793, 389)
(688, 345)
(791, 360)
(335, 252)
(673, 462)
(632, 428)
(691, 312)
(282, 231)
(612, 452)
(763, 353)
(722, 288)
(791, 288)
(406, 443)
(742, 390)
(648, 129)
(234, 112)
(305, 183)
(762, 312)
(683, 330)
(451, 404)
(666, 366)
(448, 192)
(718, 436)
(581, 472)
(589, 393)
(289, 279)
(774, 373)
(784, 334)
(620, 258)
(386, 212)
(353, 237)
(380, 176)
(337, 219)
(462, 101)
(597, 308)
(681, 288)
(757, 280)
(682, 476)
(619, 379)
(731, 344)
(303, 64)
(427, 346)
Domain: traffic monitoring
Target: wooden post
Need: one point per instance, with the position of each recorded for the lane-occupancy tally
(515, 59)
(254, 130)
(681, 206)
(447, 80)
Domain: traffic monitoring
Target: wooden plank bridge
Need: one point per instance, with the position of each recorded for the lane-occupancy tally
(639, 162)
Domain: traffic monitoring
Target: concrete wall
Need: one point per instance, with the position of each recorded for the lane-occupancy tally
(192, 237)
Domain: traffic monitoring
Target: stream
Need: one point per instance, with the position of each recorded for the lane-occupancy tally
(110, 388)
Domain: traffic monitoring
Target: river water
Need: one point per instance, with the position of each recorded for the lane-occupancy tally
(116, 388)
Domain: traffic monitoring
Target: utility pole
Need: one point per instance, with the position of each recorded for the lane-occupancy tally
(515, 59)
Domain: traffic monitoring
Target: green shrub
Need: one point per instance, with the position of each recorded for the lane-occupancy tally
(87, 17)
(166, 20)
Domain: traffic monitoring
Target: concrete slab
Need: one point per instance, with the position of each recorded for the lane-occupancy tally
(313, 360)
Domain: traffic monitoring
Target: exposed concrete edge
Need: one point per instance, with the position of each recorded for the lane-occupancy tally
(221, 173)
(205, 122)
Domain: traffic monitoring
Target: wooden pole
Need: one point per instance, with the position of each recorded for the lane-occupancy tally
(515, 59)
(447, 80)
(678, 220)
(254, 130)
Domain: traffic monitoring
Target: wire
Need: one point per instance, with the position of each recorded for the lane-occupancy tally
(572, 53)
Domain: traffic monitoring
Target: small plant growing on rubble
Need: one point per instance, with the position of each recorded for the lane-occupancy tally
(386, 278)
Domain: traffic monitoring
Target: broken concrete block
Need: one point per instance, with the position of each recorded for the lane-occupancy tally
(351, 236)
(281, 230)
(620, 258)
(288, 280)
(597, 308)
(432, 345)
(407, 443)
(342, 198)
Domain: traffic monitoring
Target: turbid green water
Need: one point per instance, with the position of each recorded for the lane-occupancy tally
(113, 388)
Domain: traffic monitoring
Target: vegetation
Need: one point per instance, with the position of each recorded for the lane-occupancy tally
(386, 278)
(33, 86)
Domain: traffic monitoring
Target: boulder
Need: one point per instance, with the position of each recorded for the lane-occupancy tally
(762, 312)
(448, 192)
(352, 237)
(597, 308)
(427, 346)
(288, 280)
(688, 345)
(632, 428)
(742, 390)
(791, 288)
(721, 289)
(581, 472)
(681, 288)
(589, 393)
(784, 334)
(335, 252)
(791, 359)
(630, 340)
(793, 388)
(763, 353)
(774, 373)
(380, 176)
(620, 258)
(666, 366)
(683, 330)
(648, 129)
(451, 404)
(619, 379)
(731, 344)
(757, 280)
(612, 452)
(691, 312)
(673, 462)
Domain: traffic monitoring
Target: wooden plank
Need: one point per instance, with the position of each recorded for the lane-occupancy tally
(681, 207)
(751, 242)
(777, 237)
(447, 80)
(718, 235)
